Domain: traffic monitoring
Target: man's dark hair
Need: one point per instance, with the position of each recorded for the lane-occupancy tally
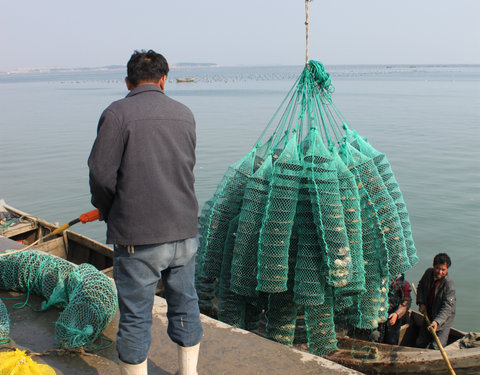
(442, 258)
(146, 66)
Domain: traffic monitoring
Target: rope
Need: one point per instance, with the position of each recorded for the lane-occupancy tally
(306, 31)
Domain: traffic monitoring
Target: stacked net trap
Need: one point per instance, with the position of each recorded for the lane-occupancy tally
(308, 226)
(86, 296)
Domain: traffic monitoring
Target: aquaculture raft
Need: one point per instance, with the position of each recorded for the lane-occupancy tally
(309, 225)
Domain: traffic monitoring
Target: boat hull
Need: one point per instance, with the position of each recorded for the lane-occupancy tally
(375, 358)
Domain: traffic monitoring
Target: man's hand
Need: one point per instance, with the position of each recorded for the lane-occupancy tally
(100, 216)
(422, 309)
(392, 318)
(433, 326)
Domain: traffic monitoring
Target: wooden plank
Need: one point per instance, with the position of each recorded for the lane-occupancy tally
(90, 244)
(403, 330)
(108, 271)
(20, 228)
(41, 222)
(77, 253)
(53, 247)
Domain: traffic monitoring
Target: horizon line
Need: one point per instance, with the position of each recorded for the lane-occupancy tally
(178, 65)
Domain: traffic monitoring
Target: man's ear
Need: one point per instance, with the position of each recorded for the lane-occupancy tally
(129, 84)
(161, 82)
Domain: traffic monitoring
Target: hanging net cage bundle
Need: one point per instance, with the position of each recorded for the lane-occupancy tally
(306, 228)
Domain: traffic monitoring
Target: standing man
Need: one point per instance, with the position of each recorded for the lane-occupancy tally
(436, 297)
(142, 182)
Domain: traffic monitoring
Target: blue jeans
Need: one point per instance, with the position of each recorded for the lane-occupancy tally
(136, 277)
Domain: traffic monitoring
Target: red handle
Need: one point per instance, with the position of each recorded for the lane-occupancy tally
(89, 216)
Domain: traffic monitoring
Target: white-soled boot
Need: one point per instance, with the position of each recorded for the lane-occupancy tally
(128, 369)
(187, 360)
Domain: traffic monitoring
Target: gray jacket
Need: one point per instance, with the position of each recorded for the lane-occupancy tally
(443, 308)
(141, 169)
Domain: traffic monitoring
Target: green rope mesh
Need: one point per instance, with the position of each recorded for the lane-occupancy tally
(282, 311)
(350, 199)
(231, 306)
(385, 170)
(244, 261)
(235, 309)
(281, 317)
(277, 224)
(319, 321)
(217, 213)
(300, 328)
(4, 323)
(309, 280)
(86, 296)
(308, 226)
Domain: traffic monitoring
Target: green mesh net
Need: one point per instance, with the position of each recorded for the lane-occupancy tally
(277, 223)
(217, 213)
(86, 296)
(307, 227)
(4, 323)
(244, 253)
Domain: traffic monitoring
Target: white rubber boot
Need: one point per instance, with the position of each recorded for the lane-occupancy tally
(128, 369)
(187, 360)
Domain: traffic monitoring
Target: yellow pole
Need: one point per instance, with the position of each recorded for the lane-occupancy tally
(437, 340)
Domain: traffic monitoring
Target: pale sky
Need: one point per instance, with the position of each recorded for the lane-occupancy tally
(92, 33)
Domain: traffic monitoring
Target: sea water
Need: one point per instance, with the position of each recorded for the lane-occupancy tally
(426, 119)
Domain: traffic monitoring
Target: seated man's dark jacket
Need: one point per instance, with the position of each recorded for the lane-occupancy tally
(443, 308)
(141, 169)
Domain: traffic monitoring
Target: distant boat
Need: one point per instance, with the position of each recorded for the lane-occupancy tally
(187, 79)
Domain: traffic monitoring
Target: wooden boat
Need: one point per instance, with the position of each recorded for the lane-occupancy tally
(186, 79)
(374, 358)
(76, 248)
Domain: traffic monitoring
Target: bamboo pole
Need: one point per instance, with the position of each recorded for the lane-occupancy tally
(306, 31)
(437, 340)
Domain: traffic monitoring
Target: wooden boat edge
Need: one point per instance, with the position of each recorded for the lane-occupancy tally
(400, 359)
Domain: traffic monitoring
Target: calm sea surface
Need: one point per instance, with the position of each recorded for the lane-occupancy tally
(425, 118)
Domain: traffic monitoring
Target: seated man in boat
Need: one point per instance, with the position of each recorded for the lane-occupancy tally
(436, 297)
(399, 301)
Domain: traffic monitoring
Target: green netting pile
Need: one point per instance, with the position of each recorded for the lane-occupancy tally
(86, 296)
(308, 226)
(4, 323)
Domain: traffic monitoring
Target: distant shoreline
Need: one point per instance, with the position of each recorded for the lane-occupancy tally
(193, 65)
(101, 68)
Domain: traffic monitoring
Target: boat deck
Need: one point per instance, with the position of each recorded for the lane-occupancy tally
(224, 349)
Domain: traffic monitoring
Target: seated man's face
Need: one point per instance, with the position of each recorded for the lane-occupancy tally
(440, 270)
